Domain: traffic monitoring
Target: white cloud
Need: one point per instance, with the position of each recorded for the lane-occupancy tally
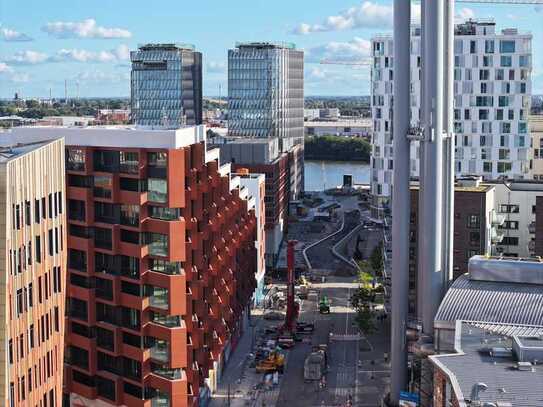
(216, 67)
(465, 13)
(356, 50)
(7, 72)
(366, 15)
(13, 36)
(83, 29)
(5, 68)
(100, 77)
(119, 54)
(27, 58)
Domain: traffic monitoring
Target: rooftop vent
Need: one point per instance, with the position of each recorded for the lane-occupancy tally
(506, 270)
(500, 352)
(528, 349)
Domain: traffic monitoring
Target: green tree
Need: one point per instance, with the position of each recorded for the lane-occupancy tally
(376, 259)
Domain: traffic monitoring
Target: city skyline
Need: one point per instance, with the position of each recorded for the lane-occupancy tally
(88, 45)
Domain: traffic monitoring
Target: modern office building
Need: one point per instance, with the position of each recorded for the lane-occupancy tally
(33, 272)
(266, 92)
(536, 130)
(161, 262)
(492, 103)
(166, 85)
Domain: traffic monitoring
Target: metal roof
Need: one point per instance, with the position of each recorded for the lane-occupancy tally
(487, 301)
(473, 364)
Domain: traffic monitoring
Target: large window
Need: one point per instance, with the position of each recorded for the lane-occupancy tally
(158, 212)
(158, 297)
(106, 161)
(473, 221)
(131, 318)
(158, 244)
(75, 159)
(130, 215)
(78, 308)
(105, 212)
(157, 162)
(166, 267)
(103, 185)
(129, 162)
(106, 313)
(105, 339)
(509, 241)
(77, 260)
(104, 288)
(79, 357)
(507, 46)
(105, 388)
(76, 210)
(103, 238)
(130, 267)
(157, 190)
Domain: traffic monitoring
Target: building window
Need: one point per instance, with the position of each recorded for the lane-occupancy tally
(158, 297)
(106, 313)
(75, 159)
(77, 260)
(133, 185)
(131, 368)
(106, 340)
(103, 238)
(103, 186)
(129, 236)
(130, 215)
(104, 288)
(78, 357)
(509, 241)
(130, 318)
(106, 160)
(507, 46)
(130, 267)
(505, 208)
(76, 210)
(157, 190)
(165, 267)
(474, 238)
(78, 309)
(129, 162)
(159, 212)
(105, 388)
(158, 244)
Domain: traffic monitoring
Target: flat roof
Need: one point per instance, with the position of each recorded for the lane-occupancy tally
(340, 123)
(108, 136)
(10, 152)
(473, 364)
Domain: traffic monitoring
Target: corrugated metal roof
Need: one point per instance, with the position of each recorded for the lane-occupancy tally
(496, 302)
(510, 330)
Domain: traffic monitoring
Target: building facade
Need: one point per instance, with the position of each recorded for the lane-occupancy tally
(166, 85)
(266, 92)
(475, 229)
(161, 261)
(33, 276)
(536, 130)
(492, 84)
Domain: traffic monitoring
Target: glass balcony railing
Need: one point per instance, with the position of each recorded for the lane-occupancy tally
(170, 374)
(159, 297)
(160, 350)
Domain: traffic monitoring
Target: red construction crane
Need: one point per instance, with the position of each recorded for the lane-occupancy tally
(292, 306)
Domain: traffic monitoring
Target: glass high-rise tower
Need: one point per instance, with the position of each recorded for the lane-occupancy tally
(166, 85)
(266, 92)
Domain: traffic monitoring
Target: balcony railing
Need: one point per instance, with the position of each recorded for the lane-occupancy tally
(531, 228)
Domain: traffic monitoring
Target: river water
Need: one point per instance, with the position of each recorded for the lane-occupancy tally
(321, 175)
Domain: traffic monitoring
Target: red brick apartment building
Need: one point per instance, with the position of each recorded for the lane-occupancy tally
(33, 272)
(161, 264)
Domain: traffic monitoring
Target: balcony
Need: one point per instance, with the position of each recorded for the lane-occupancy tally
(531, 228)
(160, 350)
(496, 237)
(497, 219)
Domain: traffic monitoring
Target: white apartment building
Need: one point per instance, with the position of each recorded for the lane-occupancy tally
(493, 95)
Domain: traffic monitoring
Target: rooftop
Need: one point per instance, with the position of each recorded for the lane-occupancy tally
(488, 360)
(166, 46)
(266, 45)
(340, 123)
(10, 152)
(107, 136)
(506, 291)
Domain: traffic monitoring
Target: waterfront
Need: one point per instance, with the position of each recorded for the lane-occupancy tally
(320, 175)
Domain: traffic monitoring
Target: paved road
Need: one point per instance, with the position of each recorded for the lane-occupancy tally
(321, 256)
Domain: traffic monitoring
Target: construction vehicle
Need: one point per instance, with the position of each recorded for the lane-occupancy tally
(275, 362)
(324, 305)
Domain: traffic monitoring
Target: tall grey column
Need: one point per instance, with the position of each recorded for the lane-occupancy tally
(431, 192)
(400, 197)
(448, 148)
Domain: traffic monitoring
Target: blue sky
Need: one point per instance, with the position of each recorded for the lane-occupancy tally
(43, 43)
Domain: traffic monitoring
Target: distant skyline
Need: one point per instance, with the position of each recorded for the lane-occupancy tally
(89, 43)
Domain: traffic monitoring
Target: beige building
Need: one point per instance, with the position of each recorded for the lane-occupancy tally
(32, 273)
(536, 129)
